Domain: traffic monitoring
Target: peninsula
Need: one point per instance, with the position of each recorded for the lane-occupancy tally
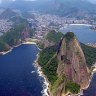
(67, 64)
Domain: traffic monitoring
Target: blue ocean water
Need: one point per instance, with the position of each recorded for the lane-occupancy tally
(16, 77)
(91, 91)
(83, 33)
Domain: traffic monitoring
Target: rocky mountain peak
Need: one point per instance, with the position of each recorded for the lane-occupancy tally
(72, 62)
(69, 36)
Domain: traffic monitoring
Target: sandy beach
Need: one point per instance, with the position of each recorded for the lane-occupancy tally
(81, 24)
(5, 52)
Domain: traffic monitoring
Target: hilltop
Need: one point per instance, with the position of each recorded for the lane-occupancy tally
(7, 14)
(62, 63)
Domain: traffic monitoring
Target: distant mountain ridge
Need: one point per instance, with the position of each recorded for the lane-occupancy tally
(7, 14)
(68, 8)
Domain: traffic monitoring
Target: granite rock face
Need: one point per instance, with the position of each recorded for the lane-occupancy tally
(72, 62)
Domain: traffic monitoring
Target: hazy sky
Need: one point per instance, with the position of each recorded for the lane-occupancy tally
(93, 1)
(14, 0)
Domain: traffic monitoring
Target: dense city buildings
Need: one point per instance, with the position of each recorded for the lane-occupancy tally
(5, 25)
(42, 23)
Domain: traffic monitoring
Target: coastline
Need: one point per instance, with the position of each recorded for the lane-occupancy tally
(5, 52)
(81, 24)
(66, 25)
(93, 69)
(46, 84)
(91, 45)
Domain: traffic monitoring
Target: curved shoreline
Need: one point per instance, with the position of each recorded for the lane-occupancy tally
(45, 91)
(5, 52)
(81, 24)
(46, 84)
(66, 25)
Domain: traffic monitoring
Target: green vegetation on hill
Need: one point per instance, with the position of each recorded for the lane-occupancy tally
(15, 36)
(4, 46)
(7, 13)
(19, 31)
(69, 36)
(11, 38)
(17, 20)
(57, 83)
(40, 45)
(90, 54)
(48, 62)
(48, 58)
(54, 36)
(72, 87)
